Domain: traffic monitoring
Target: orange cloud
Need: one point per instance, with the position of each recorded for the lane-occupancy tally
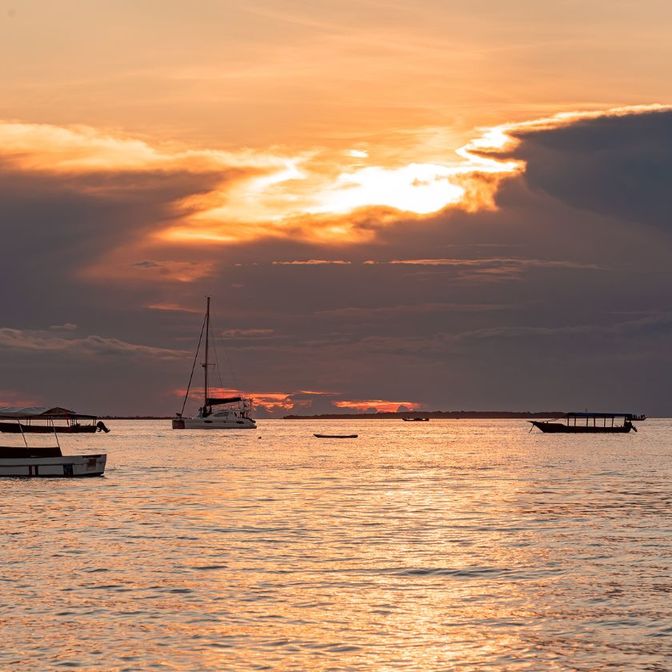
(379, 405)
(247, 333)
(282, 402)
(312, 262)
(320, 196)
(15, 399)
(172, 308)
(180, 271)
(318, 393)
(268, 400)
(326, 196)
(503, 138)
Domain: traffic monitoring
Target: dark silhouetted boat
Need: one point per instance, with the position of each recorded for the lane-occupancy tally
(335, 436)
(590, 423)
(418, 419)
(52, 420)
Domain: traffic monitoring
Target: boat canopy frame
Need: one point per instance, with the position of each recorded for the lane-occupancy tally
(56, 413)
(585, 415)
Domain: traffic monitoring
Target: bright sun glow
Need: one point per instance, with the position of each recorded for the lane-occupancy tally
(309, 195)
(266, 194)
(418, 188)
(317, 195)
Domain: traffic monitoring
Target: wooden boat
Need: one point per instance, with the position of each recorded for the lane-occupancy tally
(590, 423)
(335, 436)
(48, 462)
(232, 412)
(415, 419)
(52, 420)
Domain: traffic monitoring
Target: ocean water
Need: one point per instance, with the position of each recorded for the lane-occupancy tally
(447, 545)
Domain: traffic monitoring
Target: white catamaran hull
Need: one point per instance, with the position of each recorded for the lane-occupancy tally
(217, 412)
(213, 423)
(63, 467)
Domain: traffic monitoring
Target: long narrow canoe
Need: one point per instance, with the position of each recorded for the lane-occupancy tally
(335, 436)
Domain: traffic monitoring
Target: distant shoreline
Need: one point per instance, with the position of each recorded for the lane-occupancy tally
(135, 417)
(435, 415)
(451, 415)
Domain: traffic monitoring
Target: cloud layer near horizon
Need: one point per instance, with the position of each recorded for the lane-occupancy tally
(549, 296)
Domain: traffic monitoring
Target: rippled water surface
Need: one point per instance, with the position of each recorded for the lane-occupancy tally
(448, 545)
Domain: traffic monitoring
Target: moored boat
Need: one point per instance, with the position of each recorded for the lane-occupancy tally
(590, 423)
(233, 415)
(52, 420)
(216, 412)
(335, 436)
(416, 419)
(48, 462)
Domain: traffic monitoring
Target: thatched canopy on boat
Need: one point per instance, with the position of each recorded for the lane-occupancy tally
(55, 413)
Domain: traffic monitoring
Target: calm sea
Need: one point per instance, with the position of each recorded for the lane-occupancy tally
(447, 545)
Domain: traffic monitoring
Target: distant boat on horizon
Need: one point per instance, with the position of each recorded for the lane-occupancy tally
(416, 419)
(234, 412)
(574, 423)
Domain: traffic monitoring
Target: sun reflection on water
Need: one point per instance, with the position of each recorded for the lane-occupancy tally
(419, 546)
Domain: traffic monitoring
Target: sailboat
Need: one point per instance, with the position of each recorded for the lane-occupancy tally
(216, 412)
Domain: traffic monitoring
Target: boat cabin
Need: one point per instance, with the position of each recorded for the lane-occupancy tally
(601, 419)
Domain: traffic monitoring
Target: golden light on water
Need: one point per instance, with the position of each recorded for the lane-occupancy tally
(314, 167)
(441, 545)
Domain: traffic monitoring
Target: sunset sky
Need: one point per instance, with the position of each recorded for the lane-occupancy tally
(438, 204)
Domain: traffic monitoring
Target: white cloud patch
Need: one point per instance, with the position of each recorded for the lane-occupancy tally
(312, 262)
(247, 333)
(489, 262)
(45, 342)
(68, 326)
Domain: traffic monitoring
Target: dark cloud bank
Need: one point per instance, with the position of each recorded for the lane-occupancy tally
(561, 298)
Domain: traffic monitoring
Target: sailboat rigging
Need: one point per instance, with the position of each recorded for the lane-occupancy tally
(234, 412)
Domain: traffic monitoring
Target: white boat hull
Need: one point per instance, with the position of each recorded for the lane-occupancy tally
(217, 412)
(53, 467)
(214, 423)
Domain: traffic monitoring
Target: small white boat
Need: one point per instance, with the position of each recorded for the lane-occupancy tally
(24, 461)
(234, 412)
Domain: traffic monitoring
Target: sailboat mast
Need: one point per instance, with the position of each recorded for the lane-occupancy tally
(207, 349)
